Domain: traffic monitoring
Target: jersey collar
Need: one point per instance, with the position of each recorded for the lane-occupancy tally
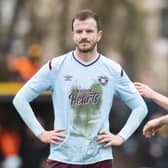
(84, 63)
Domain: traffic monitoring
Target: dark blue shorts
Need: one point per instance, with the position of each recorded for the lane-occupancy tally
(56, 164)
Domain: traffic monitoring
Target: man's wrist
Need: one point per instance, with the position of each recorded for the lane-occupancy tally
(122, 139)
(154, 96)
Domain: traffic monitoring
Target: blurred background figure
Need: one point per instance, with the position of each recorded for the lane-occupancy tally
(5, 55)
(24, 67)
(10, 147)
(33, 152)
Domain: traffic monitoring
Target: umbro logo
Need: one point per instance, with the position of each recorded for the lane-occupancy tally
(67, 78)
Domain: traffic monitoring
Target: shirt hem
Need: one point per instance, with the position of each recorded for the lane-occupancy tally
(80, 163)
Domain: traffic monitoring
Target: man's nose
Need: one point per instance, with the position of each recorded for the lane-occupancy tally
(84, 34)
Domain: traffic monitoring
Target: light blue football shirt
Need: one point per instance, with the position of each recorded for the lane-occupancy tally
(82, 95)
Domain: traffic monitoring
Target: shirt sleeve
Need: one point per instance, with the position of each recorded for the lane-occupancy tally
(40, 82)
(22, 104)
(131, 97)
(138, 113)
(125, 89)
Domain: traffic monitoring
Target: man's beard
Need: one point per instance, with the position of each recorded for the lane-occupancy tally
(86, 50)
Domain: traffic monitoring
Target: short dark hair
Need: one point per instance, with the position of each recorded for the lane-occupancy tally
(85, 14)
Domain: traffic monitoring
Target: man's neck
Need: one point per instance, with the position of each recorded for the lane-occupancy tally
(88, 56)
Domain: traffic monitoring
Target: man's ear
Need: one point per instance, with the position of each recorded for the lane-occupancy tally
(72, 34)
(99, 36)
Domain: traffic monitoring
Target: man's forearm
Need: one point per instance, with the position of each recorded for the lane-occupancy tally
(22, 105)
(160, 99)
(164, 120)
(139, 111)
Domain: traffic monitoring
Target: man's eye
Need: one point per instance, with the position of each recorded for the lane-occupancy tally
(78, 31)
(89, 31)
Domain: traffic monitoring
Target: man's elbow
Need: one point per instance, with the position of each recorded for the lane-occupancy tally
(143, 110)
(16, 101)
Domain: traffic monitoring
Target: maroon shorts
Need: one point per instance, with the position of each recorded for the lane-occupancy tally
(56, 164)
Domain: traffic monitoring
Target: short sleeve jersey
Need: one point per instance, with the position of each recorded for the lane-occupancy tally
(82, 96)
